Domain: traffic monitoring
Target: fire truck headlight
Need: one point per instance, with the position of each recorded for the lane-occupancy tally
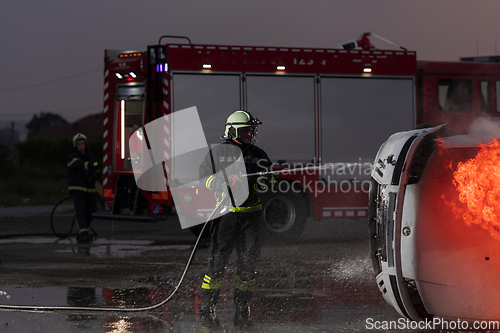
(188, 198)
(132, 74)
(367, 70)
(118, 75)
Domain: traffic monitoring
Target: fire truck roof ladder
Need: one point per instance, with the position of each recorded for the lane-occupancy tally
(363, 42)
(167, 36)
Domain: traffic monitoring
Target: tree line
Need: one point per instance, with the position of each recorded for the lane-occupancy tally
(44, 157)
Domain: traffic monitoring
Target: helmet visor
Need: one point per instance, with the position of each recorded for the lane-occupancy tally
(247, 134)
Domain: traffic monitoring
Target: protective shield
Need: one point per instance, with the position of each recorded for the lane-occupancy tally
(171, 151)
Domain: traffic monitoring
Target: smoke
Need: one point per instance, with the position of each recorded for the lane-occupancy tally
(482, 130)
(485, 126)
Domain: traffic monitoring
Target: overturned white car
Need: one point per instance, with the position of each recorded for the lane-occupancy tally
(434, 252)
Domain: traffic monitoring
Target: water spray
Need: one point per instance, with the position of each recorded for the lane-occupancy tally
(315, 168)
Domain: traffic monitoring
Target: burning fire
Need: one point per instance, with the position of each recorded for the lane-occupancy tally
(478, 183)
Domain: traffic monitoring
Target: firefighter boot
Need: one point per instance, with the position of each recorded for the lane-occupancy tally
(242, 310)
(84, 237)
(209, 318)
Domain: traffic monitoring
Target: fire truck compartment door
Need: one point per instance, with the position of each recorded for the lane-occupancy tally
(286, 106)
(215, 96)
(130, 106)
(359, 113)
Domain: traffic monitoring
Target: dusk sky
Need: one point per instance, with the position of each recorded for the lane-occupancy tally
(52, 50)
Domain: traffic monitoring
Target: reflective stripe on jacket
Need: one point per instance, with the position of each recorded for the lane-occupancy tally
(222, 157)
(81, 171)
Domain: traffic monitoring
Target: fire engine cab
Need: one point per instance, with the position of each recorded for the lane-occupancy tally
(318, 106)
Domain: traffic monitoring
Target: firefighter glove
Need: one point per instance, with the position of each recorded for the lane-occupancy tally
(220, 185)
(263, 183)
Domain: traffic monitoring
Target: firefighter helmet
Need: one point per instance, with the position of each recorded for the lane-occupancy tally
(237, 120)
(78, 137)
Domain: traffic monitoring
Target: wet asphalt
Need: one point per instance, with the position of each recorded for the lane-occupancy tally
(322, 282)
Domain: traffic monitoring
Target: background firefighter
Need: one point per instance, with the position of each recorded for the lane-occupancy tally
(240, 227)
(83, 170)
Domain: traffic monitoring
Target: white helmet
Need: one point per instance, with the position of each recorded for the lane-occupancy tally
(78, 137)
(237, 120)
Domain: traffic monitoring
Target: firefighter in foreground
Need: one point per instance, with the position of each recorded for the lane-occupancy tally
(240, 227)
(83, 170)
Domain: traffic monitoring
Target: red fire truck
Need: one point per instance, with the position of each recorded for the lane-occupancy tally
(318, 106)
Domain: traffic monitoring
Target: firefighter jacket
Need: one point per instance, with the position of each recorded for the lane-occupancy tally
(222, 156)
(82, 171)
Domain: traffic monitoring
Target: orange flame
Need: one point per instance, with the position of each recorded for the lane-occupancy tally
(478, 183)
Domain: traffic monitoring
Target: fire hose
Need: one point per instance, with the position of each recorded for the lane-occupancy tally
(52, 219)
(233, 178)
(52, 213)
(28, 308)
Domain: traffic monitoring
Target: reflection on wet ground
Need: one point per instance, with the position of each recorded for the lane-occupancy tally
(324, 283)
(101, 247)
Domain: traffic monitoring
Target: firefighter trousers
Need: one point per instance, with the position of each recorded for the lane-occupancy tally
(239, 230)
(85, 205)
